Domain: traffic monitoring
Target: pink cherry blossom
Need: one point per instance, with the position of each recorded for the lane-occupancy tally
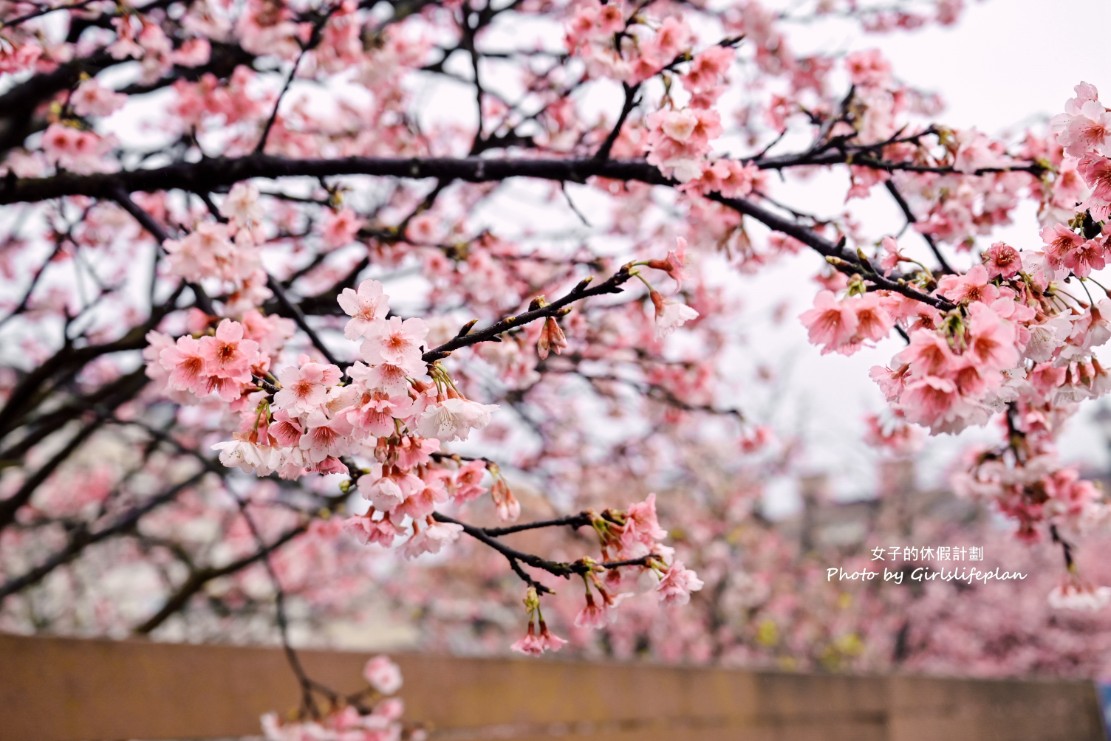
(383, 675)
(395, 341)
(185, 362)
(1096, 171)
(530, 645)
(454, 419)
(305, 386)
(341, 228)
(1087, 129)
(228, 354)
(1002, 261)
(366, 307)
(552, 339)
(831, 323)
(1076, 595)
(670, 315)
(868, 68)
(389, 490)
(431, 538)
(368, 531)
(971, 287)
(677, 584)
(641, 524)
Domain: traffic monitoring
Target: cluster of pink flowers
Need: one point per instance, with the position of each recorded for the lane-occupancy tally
(266, 28)
(881, 102)
(354, 721)
(678, 136)
(1034, 490)
(1085, 126)
(214, 250)
(538, 638)
(391, 408)
(953, 203)
(16, 58)
(1006, 335)
(1065, 249)
(1075, 594)
(844, 326)
(630, 536)
(258, 82)
(223, 362)
(75, 149)
(892, 434)
(642, 50)
(679, 140)
(957, 374)
(226, 255)
(1084, 130)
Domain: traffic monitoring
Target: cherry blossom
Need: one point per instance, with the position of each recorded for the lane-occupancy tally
(670, 315)
(383, 675)
(365, 307)
(677, 584)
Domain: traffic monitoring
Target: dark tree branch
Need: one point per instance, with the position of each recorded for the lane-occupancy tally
(912, 219)
(123, 198)
(210, 174)
(516, 557)
(10, 506)
(82, 538)
(581, 291)
(627, 107)
(197, 580)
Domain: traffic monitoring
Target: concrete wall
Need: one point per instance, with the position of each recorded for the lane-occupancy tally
(54, 689)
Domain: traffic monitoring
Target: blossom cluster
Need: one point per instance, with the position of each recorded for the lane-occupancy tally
(632, 535)
(388, 406)
(226, 254)
(353, 721)
(311, 417)
(383, 421)
(1006, 336)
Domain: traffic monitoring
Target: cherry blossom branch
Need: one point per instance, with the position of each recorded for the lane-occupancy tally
(839, 257)
(555, 568)
(294, 312)
(839, 152)
(213, 173)
(123, 198)
(574, 522)
(290, 309)
(63, 365)
(581, 291)
(308, 685)
(12, 504)
(108, 397)
(47, 10)
(25, 301)
(514, 556)
(1066, 548)
(627, 107)
(654, 391)
(313, 41)
(912, 219)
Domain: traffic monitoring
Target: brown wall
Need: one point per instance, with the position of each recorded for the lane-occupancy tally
(54, 689)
